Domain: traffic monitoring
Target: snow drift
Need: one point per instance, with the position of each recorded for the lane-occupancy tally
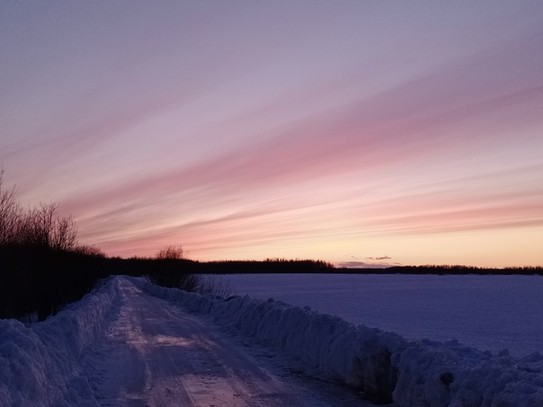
(382, 364)
(39, 364)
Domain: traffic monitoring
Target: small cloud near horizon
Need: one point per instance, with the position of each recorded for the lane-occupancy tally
(362, 264)
(375, 262)
(379, 258)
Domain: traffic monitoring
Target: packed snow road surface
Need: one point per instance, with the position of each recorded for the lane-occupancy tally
(155, 354)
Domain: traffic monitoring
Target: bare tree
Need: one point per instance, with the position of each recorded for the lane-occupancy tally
(44, 227)
(10, 214)
(170, 252)
(89, 250)
(41, 226)
(64, 233)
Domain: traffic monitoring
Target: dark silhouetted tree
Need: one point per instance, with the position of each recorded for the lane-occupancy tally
(10, 214)
(170, 252)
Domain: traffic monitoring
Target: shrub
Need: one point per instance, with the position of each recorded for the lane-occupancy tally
(170, 253)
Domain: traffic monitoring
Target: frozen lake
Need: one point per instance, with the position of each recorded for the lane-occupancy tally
(485, 312)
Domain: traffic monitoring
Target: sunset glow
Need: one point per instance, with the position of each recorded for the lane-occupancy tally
(352, 132)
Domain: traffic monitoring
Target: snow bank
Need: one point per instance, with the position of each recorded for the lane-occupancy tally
(382, 364)
(39, 363)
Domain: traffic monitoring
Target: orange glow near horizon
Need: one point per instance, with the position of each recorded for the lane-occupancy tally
(371, 134)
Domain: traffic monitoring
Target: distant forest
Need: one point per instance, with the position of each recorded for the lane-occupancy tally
(43, 267)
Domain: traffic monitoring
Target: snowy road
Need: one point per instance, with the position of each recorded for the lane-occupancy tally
(155, 354)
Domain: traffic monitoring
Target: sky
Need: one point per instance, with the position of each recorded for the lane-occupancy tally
(356, 132)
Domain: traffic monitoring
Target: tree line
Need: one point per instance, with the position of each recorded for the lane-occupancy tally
(445, 269)
(43, 267)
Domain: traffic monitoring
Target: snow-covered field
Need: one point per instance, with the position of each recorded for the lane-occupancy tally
(134, 344)
(485, 312)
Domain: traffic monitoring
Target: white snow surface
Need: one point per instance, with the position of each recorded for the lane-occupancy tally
(58, 362)
(39, 364)
(487, 312)
(382, 364)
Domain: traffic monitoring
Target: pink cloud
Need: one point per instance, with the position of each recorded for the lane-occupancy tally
(452, 109)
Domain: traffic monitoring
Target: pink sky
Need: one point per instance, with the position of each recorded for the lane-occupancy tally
(371, 132)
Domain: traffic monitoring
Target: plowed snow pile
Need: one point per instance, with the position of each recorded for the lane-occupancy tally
(382, 364)
(39, 364)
